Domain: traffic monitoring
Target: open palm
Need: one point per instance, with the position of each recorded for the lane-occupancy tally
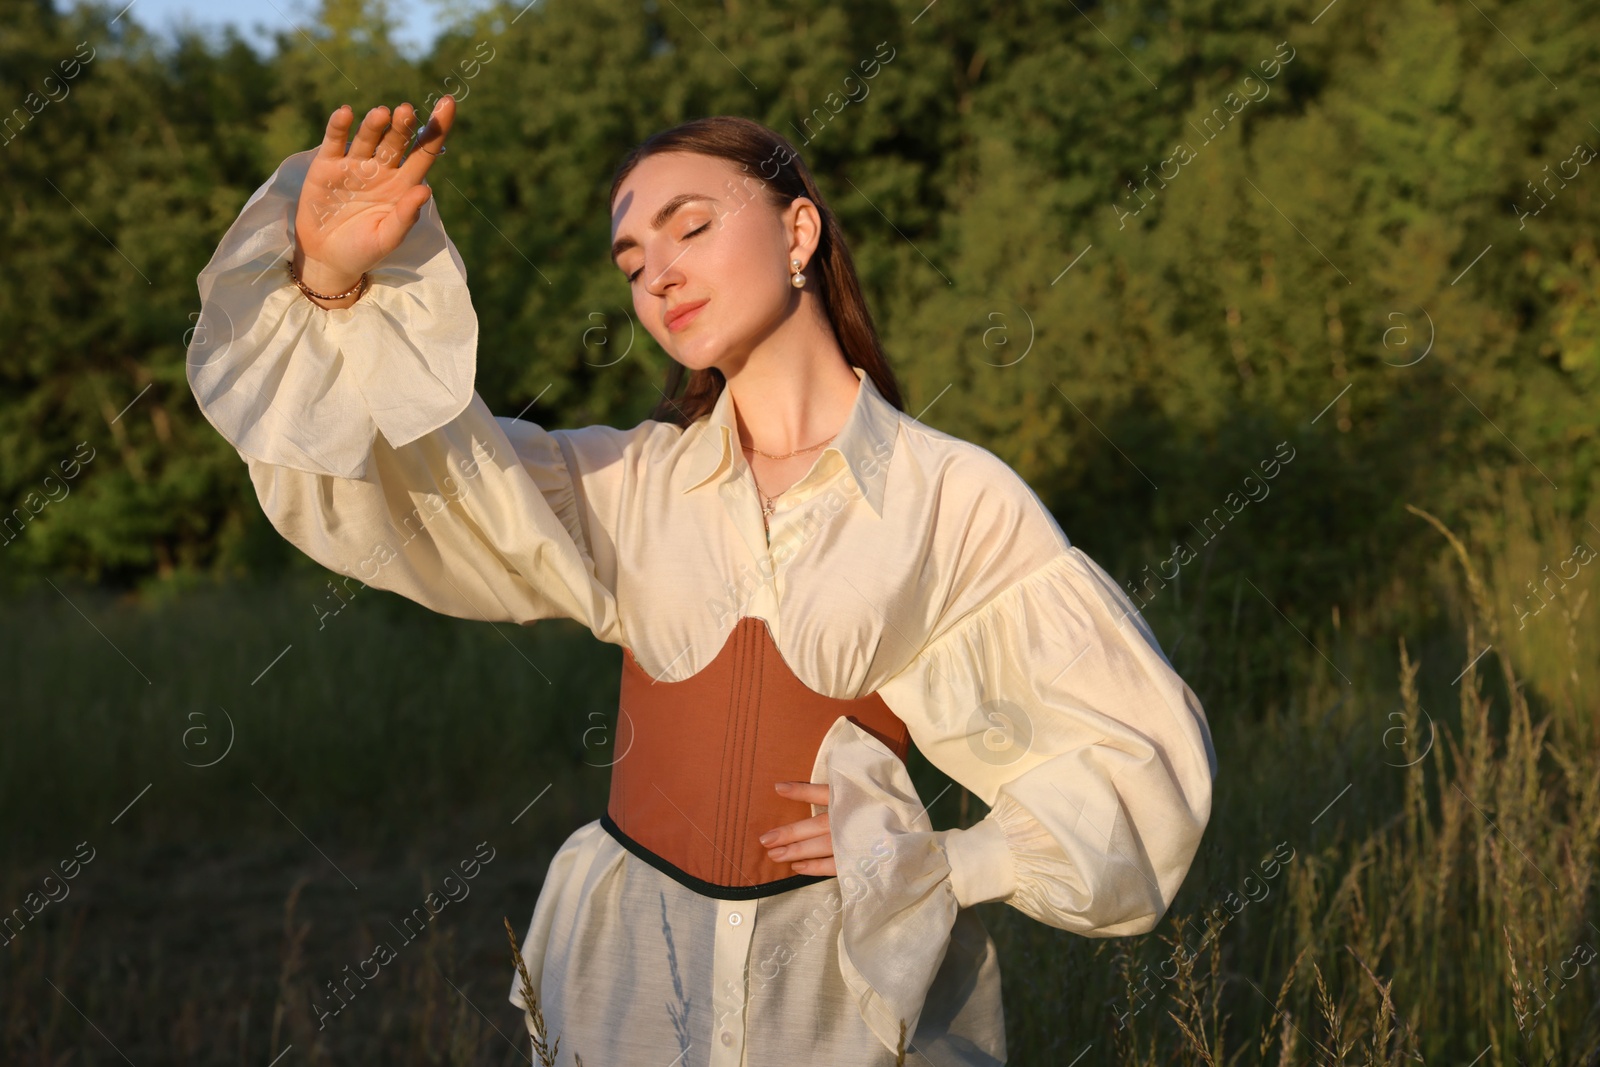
(358, 203)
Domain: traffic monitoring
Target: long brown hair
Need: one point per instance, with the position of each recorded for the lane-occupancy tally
(759, 151)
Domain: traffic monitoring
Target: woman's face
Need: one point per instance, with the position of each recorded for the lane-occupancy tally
(707, 255)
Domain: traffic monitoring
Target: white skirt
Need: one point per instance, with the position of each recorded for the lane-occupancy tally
(634, 969)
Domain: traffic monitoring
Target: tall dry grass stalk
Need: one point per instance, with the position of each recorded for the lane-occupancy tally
(1429, 931)
(291, 989)
(532, 1013)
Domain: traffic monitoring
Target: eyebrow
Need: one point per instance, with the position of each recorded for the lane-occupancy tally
(668, 209)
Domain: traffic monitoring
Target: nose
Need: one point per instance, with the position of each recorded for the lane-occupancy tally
(659, 282)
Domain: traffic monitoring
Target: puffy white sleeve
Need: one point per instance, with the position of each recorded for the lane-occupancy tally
(368, 447)
(1054, 704)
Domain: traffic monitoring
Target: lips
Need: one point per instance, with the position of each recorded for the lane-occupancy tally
(683, 314)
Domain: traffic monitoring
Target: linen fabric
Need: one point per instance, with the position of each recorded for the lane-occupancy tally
(906, 562)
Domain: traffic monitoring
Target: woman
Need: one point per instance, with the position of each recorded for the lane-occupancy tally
(804, 580)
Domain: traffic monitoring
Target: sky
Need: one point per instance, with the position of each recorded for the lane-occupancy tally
(419, 18)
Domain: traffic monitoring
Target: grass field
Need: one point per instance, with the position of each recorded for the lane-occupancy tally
(249, 792)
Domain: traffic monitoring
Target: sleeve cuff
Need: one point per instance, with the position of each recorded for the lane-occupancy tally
(290, 383)
(982, 867)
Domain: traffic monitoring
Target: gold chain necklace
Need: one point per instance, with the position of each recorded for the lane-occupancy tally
(788, 455)
(767, 506)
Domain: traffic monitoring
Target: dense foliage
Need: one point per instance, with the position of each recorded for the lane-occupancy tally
(1270, 213)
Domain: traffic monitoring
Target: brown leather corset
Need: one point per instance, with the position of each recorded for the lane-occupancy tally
(692, 785)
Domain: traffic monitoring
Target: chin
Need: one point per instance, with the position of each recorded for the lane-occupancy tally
(698, 353)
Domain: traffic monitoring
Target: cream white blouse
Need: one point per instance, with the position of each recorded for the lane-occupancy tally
(907, 562)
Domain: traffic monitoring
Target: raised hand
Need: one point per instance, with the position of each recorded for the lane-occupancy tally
(357, 204)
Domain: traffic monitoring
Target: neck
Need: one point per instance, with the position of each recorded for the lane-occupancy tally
(795, 387)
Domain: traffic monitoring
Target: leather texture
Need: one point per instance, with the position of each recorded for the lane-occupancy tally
(693, 782)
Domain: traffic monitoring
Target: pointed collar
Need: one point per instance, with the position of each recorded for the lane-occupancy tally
(865, 443)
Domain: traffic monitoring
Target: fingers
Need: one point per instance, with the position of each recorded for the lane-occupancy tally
(372, 127)
(795, 831)
(805, 792)
(406, 211)
(409, 206)
(392, 148)
(807, 844)
(808, 848)
(432, 138)
(337, 134)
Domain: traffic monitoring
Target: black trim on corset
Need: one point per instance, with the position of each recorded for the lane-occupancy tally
(704, 888)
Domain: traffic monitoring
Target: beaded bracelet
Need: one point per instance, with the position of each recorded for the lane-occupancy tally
(356, 289)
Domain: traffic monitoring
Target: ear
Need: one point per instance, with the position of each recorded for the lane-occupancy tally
(802, 227)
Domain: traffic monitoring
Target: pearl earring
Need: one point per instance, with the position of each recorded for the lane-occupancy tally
(797, 279)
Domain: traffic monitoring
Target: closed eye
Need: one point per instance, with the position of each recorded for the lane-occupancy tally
(694, 232)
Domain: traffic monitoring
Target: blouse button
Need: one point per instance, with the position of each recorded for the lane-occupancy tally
(727, 1038)
(734, 919)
